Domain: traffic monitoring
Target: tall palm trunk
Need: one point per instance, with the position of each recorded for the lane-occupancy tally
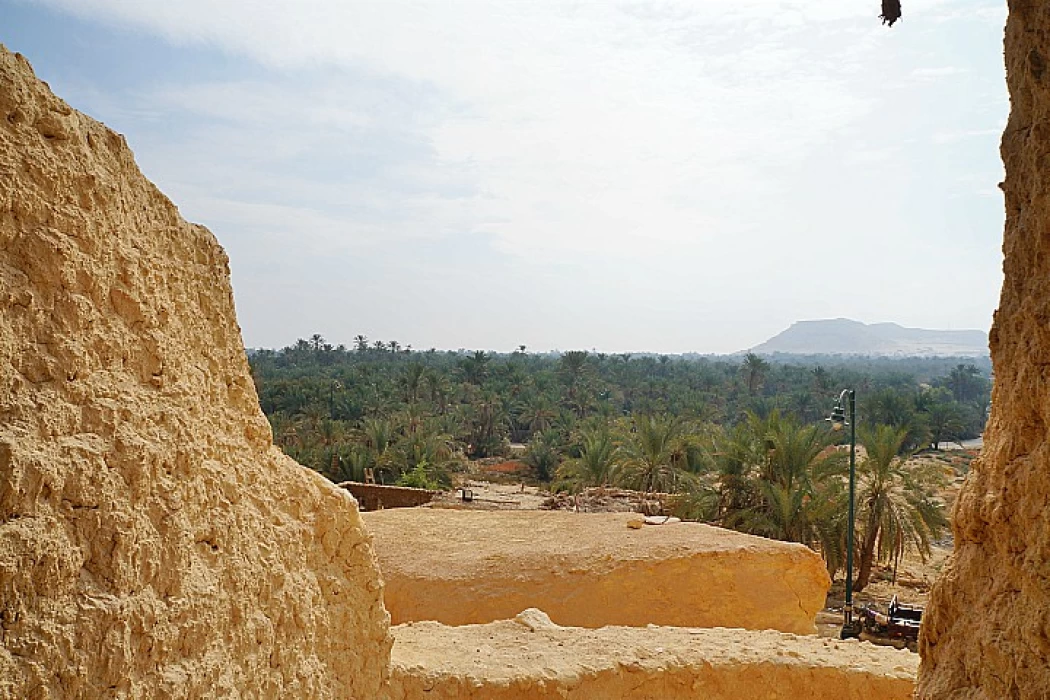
(867, 553)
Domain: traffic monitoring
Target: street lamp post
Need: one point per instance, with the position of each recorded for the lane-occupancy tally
(837, 420)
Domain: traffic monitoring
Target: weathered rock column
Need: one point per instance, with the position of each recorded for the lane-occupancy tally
(987, 630)
(153, 541)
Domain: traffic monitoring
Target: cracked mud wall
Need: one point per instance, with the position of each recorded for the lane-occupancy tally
(153, 542)
(986, 635)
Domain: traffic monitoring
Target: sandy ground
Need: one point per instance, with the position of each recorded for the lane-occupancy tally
(486, 495)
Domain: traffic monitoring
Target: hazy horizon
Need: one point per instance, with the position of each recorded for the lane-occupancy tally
(683, 177)
(349, 344)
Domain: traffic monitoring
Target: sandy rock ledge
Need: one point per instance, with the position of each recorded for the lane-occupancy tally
(530, 657)
(591, 570)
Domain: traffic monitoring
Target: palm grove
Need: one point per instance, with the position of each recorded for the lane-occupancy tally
(736, 442)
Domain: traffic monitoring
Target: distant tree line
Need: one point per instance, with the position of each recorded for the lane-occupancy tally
(739, 441)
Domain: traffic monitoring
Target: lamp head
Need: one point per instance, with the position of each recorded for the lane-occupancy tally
(837, 418)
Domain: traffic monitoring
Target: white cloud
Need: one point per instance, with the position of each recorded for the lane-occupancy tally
(643, 139)
(933, 73)
(947, 137)
(579, 118)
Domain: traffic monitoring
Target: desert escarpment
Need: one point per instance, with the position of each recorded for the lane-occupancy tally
(153, 542)
(986, 635)
(591, 570)
(530, 658)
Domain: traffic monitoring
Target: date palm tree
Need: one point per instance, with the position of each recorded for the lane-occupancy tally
(412, 381)
(475, 367)
(946, 423)
(735, 452)
(754, 370)
(484, 422)
(351, 464)
(574, 368)
(594, 466)
(539, 415)
(792, 479)
(780, 479)
(653, 456)
(543, 455)
(379, 435)
(427, 455)
(897, 503)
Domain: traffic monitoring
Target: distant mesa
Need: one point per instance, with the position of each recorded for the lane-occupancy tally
(842, 336)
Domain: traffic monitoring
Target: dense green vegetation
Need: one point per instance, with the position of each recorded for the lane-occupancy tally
(738, 441)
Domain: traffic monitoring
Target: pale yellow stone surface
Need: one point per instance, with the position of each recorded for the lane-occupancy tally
(591, 570)
(529, 658)
(153, 541)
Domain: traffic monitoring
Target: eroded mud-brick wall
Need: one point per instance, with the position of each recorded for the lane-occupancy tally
(153, 542)
(987, 629)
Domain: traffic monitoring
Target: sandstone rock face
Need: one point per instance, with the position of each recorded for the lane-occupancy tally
(987, 630)
(153, 542)
(531, 658)
(591, 570)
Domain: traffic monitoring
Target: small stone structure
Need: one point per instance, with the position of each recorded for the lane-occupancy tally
(589, 570)
(380, 497)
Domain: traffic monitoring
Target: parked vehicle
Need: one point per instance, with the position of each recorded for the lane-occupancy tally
(899, 625)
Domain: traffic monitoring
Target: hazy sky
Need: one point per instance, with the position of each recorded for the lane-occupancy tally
(674, 176)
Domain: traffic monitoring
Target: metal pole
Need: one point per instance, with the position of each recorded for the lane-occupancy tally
(847, 629)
